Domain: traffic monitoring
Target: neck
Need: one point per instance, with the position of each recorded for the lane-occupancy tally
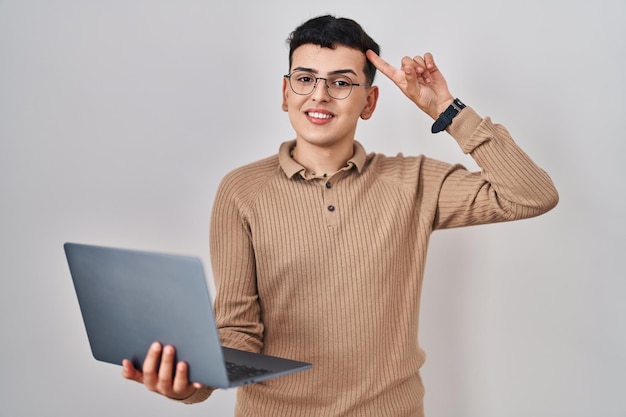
(322, 161)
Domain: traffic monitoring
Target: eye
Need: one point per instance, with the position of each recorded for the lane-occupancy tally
(340, 82)
(304, 78)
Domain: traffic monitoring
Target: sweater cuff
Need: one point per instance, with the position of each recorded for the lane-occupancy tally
(199, 395)
(463, 129)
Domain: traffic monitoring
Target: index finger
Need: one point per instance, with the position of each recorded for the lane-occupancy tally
(380, 64)
(129, 371)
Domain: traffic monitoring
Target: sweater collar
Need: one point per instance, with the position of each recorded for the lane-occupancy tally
(290, 167)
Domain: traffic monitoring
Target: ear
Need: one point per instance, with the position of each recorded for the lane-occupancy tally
(370, 104)
(285, 93)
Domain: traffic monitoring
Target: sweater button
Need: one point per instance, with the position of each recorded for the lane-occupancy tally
(329, 185)
(331, 208)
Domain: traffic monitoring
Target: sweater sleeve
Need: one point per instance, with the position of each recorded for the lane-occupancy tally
(237, 308)
(509, 185)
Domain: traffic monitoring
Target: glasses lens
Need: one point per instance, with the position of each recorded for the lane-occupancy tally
(302, 82)
(339, 86)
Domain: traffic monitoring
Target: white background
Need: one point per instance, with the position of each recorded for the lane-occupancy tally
(119, 118)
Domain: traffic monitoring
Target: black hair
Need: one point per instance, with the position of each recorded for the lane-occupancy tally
(329, 32)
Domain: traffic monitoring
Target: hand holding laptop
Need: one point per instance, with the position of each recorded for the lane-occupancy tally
(160, 374)
(129, 299)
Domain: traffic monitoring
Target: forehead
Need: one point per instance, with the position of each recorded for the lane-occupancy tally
(326, 60)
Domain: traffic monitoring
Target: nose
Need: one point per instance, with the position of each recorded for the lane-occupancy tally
(320, 91)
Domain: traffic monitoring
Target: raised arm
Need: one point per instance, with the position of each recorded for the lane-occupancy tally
(510, 185)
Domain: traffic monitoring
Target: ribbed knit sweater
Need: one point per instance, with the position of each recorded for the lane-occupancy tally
(329, 270)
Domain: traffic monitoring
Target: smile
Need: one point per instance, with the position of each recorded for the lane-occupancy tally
(318, 115)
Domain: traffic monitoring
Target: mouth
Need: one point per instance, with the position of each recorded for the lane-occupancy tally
(317, 115)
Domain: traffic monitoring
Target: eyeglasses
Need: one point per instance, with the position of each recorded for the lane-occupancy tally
(338, 86)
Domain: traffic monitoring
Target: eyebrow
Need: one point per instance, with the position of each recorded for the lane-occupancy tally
(336, 72)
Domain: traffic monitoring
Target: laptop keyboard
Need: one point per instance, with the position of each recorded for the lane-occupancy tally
(237, 372)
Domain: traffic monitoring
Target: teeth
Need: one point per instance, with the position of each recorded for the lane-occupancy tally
(320, 115)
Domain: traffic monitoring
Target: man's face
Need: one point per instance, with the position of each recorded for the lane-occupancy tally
(318, 118)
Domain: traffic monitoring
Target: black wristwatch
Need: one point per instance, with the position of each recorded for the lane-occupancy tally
(446, 117)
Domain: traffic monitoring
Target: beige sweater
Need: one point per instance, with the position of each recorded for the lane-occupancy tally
(329, 270)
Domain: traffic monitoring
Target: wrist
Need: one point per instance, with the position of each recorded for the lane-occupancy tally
(445, 117)
(182, 397)
(442, 106)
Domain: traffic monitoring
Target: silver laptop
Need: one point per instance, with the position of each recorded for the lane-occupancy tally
(129, 299)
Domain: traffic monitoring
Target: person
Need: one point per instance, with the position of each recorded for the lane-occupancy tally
(318, 252)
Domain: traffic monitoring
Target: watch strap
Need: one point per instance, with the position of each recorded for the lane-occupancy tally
(446, 117)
